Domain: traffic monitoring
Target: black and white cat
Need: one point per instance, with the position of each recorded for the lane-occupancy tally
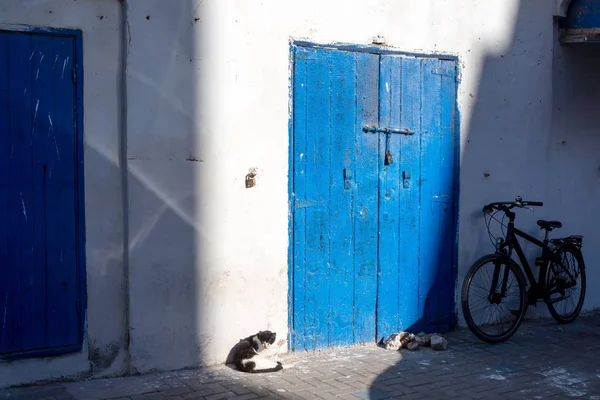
(247, 358)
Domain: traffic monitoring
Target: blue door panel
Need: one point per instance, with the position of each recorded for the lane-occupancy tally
(40, 242)
(364, 208)
(327, 116)
(410, 199)
(390, 89)
(430, 185)
(436, 299)
(445, 318)
(400, 207)
(59, 177)
(299, 203)
(373, 236)
(10, 221)
(318, 82)
(341, 158)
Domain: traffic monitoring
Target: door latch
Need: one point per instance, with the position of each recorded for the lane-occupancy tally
(405, 179)
(376, 129)
(347, 178)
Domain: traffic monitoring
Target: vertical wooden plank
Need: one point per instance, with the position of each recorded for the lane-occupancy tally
(57, 173)
(80, 188)
(409, 204)
(5, 145)
(317, 191)
(42, 102)
(429, 280)
(20, 215)
(9, 268)
(343, 130)
(389, 116)
(365, 208)
(299, 198)
(446, 206)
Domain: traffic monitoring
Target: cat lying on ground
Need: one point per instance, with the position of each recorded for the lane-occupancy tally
(247, 358)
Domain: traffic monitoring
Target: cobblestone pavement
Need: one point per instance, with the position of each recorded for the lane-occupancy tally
(543, 360)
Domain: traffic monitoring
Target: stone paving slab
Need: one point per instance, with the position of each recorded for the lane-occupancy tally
(543, 360)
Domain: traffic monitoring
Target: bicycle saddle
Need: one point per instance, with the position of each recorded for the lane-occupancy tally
(549, 225)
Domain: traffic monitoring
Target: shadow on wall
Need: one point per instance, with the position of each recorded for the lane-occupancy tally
(505, 143)
(167, 161)
(162, 193)
(574, 171)
(160, 189)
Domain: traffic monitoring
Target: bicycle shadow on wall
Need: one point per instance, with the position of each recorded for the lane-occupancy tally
(503, 90)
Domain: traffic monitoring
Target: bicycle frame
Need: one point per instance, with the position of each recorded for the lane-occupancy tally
(538, 287)
(560, 262)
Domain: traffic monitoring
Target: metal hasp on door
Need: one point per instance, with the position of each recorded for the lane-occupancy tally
(41, 194)
(388, 158)
(373, 188)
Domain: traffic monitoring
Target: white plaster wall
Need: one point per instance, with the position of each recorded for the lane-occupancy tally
(103, 347)
(573, 160)
(208, 97)
(208, 81)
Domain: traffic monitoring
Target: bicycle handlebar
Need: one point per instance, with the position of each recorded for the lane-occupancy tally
(535, 203)
(507, 205)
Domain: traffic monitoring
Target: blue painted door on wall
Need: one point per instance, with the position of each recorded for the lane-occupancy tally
(40, 229)
(373, 213)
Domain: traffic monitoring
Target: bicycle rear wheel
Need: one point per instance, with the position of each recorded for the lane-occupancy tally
(562, 289)
(492, 317)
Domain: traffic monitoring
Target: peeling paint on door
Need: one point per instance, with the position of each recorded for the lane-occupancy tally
(40, 225)
(377, 253)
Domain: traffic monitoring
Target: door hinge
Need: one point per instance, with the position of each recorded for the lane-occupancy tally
(74, 76)
(450, 72)
(78, 306)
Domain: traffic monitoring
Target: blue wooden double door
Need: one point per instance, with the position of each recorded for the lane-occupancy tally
(373, 189)
(40, 196)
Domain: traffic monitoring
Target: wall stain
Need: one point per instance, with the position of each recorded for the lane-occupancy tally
(102, 357)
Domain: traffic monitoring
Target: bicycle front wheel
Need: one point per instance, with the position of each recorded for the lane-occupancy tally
(565, 285)
(492, 314)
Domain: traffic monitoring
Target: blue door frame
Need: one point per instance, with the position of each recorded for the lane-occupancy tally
(433, 306)
(43, 297)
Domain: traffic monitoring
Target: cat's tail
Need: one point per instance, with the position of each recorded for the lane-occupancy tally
(279, 367)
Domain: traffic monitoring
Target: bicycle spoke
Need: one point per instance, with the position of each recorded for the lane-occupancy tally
(491, 313)
(481, 301)
(490, 279)
(514, 280)
(482, 289)
(494, 318)
(564, 282)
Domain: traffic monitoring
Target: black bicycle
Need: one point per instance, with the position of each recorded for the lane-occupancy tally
(496, 287)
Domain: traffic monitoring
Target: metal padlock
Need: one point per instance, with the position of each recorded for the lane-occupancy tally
(388, 158)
